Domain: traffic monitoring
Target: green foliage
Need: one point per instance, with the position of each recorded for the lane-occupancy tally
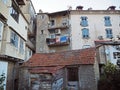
(110, 80)
(109, 68)
(2, 78)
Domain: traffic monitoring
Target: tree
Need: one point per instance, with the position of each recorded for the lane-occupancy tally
(110, 80)
(2, 79)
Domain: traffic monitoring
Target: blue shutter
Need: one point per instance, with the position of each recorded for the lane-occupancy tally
(107, 21)
(85, 33)
(109, 33)
(84, 21)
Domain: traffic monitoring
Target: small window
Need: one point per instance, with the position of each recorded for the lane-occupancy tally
(14, 13)
(72, 74)
(14, 39)
(1, 30)
(107, 21)
(109, 33)
(21, 47)
(42, 31)
(84, 21)
(42, 16)
(85, 33)
(52, 22)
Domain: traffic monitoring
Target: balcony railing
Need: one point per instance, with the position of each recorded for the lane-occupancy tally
(58, 41)
(58, 26)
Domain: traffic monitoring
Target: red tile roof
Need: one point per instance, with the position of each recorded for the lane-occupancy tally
(72, 57)
(45, 69)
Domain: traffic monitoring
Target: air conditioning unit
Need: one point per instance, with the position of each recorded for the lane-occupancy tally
(58, 31)
(100, 37)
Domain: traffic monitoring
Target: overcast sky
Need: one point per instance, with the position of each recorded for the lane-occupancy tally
(59, 5)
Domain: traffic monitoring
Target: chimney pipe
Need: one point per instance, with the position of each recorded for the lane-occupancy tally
(79, 7)
(111, 8)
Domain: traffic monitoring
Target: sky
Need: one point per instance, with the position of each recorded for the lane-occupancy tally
(61, 5)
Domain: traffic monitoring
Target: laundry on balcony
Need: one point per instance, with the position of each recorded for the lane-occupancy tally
(63, 39)
(57, 39)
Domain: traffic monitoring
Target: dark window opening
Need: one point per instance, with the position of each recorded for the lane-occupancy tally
(52, 22)
(73, 74)
(42, 31)
(14, 13)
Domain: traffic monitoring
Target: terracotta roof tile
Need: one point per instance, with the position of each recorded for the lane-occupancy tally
(72, 57)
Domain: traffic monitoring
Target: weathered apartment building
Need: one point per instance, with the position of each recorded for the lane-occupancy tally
(17, 41)
(79, 29)
(58, 64)
(76, 29)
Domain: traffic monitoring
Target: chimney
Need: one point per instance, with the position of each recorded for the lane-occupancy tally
(40, 11)
(111, 8)
(79, 7)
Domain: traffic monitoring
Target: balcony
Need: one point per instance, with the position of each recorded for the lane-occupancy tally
(20, 2)
(58, 41)
(63, 25)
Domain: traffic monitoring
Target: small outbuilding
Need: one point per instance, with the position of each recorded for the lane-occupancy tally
(66, 70)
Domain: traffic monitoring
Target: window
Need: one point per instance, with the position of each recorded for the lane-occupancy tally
(85, 33)
(107, 21)
(1, 30)
(14, 13)
(84, 21)
(52, 22)
(109, 33)
(14, 39)
(21, 48)
(42, 16)
(73, 74)
(42, 31)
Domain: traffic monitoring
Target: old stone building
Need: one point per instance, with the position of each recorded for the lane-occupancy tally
(74, 69)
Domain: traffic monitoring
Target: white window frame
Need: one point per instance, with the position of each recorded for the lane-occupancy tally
(14, 39)
(1, 30)
(21, 46)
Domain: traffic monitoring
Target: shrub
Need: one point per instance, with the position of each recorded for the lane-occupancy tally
(2, 78)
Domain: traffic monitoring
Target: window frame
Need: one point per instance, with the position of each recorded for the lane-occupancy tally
(14, 39)
(14, 13)
(84, 34)
(84, 21)
(107, 21)
(1, 29)
(21, 46)
(109, 33)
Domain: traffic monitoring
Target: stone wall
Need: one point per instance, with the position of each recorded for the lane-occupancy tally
(87, 78)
